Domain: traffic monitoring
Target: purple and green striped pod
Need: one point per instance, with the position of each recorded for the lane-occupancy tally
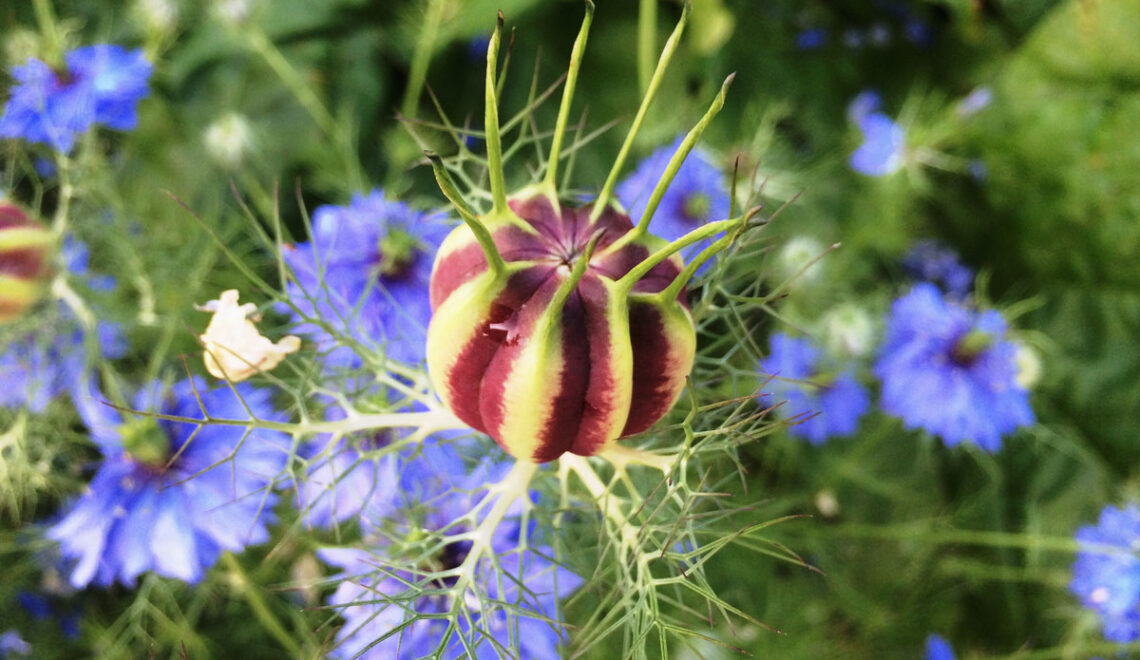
(557, 351)
(25, 263)
(557, 329)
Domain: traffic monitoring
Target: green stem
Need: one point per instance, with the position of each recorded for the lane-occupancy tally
(45, 16)
(697, 235)
(495, 263)
(312, 104)
(421, 57)
(658, 74)
(491, 125)
(646, 42)
(260, 610)
(678, 159)
(567, 96)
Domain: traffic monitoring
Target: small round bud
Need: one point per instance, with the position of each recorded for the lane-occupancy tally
(849, 330)
(233, 13)
(795, 260)
(159, 16)
(229, 140)
(25, 262)
(1028, 366)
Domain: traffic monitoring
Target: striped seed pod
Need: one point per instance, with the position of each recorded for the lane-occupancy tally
(562, 329)
(25, 263)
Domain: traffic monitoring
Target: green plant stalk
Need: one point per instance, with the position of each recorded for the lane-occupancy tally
(45, 16)
(320, 115)
(567, 97)
(260, 609)
(421, 57)
(651, 91)
(646, 42)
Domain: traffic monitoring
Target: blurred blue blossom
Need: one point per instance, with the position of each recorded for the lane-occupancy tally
(369, 594)
(366, 274)
(41, 608)
(1106, 580)
(100, 84)
(949, 370)
(883, 139)
(13, 645)
(39, 366)
(836, 396)
(931, 261)
(811, 38)
(977, 100)
(345, 475)
(697, 195)
(938, 648)
(172, 496)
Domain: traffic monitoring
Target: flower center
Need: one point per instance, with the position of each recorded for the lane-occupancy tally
(399, 251)
(145, 442)
(970, 347)
(697, 207)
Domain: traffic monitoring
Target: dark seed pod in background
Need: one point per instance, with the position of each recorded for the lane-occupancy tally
(25, 261)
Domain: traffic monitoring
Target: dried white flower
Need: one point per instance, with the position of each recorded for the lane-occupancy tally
(234, 348)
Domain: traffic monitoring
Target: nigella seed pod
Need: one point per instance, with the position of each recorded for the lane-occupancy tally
(25, 261)
(555, 328)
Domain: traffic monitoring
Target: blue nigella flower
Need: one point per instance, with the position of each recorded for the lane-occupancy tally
(883, 140)
(372, 596)
(837, 397)
(698, 194)
(12, 645)
(40, 366)
(938, 648)
(1106, 575)
(930, 261)
(949, 370)
(100, 84)
(811, 38)
(344, 477)
(366, 273)
(170, 497)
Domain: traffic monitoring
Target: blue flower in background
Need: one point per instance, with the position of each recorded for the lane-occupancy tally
(884, 141)
(697, 195)
(938, 648)
(930, 261)
(837, 397)
(366, 273)
(369, 595)
(12, 645)
(170, 497)
(345, 475)
(949, 370)
(1108, 581)
(100, 84)
(811, 39)
(40, 366)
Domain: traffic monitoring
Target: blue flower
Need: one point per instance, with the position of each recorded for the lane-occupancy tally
(1106, 575)
(930, 261)
(372, 597)
(938, 648)
(170, 497)
(949, 370)
(837, 400)
(883, 140)
(366, 274)
(100, 84)
(697, 195)
(12, 645)
(344, 476)
(40, 366)
(811, 38)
